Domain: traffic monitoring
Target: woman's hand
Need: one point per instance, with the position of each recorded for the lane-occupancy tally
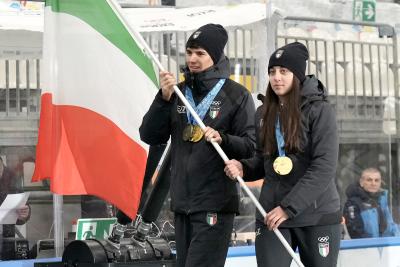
(233, 168)
(275, 217)
(167, 82)
(212, 135)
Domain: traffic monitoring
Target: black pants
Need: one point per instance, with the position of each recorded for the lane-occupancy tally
(318, 246)
(202, 239)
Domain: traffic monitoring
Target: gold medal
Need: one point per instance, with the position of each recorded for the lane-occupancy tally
(197, 134)
(187, 132)
(282, 165)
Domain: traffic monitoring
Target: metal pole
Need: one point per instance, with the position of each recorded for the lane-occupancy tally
(141, 41)
(58, 225)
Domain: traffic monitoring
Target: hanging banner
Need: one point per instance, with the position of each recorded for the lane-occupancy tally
(187, 19)
(15, 16)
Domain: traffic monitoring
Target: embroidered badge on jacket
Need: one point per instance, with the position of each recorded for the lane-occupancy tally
(258, 231)
(211, 218)
(181, 109)
(323, 246)
(214, 109)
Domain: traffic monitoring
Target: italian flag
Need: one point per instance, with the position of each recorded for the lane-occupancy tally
(97, 83)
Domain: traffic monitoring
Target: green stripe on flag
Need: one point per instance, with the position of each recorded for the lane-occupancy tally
(99, 15)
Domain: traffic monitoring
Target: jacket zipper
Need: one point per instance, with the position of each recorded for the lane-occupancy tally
(187, 191)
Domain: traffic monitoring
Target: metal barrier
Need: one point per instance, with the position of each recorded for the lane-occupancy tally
(240, 49)
(361, 72)
(19, 87)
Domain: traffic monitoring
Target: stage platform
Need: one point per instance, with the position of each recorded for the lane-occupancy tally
(367, 252)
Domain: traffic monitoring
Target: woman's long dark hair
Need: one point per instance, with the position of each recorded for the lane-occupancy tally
(289, 117)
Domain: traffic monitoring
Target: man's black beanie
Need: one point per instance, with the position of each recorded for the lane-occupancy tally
(292, 56)
(210, 37)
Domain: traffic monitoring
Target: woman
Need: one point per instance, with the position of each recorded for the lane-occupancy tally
(297, 150)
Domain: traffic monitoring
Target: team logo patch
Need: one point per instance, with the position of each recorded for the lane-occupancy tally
(212, 218)
(181, 109)
(214, 111)
(323, 246)
(258, 231)
(196, 34)
(279, 53)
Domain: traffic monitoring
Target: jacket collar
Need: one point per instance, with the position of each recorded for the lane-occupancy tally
(312, 90)
(204, 81)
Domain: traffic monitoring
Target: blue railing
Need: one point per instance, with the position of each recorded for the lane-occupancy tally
(247, 251)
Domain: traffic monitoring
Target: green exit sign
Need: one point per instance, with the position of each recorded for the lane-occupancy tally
(99, 228)
(364, 10)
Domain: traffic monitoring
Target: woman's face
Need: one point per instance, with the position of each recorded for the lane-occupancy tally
(281, 80)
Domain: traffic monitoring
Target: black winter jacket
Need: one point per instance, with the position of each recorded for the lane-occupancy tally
(308, 193)
(198, 181)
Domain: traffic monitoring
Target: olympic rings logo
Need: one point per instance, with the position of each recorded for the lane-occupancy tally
(323, 239)
(216, 103)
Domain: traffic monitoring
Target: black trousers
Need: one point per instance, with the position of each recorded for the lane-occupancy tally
(318, 246)
(202, 239)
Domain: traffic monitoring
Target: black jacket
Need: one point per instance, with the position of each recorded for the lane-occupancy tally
(198, 181)
(308, 193)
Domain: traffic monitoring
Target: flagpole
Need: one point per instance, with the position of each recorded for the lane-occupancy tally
(150, 53)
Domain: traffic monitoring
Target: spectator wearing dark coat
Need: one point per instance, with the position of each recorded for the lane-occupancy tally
(366, 210)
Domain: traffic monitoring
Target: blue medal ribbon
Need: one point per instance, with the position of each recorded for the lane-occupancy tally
(204, 105)
(280, 141)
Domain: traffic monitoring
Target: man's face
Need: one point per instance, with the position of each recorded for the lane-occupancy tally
(371, 181)
(198, 60)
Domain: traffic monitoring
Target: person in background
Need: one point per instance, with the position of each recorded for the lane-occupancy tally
(203, 198)
(297, 153)
(8, 185)
(366, 210)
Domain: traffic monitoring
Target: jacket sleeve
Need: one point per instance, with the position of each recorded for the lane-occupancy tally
(253, 168)
(354, 222)
(156, 127)
(393, 229)
(241, 143)
(320, 174)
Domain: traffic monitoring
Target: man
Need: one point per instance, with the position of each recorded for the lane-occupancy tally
(203, 198)
(366, 210)
(8, 186)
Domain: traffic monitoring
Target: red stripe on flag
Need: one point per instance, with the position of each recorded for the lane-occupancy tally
(83, 152)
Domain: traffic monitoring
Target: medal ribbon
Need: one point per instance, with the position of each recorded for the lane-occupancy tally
(204, 105)
(280, 141)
